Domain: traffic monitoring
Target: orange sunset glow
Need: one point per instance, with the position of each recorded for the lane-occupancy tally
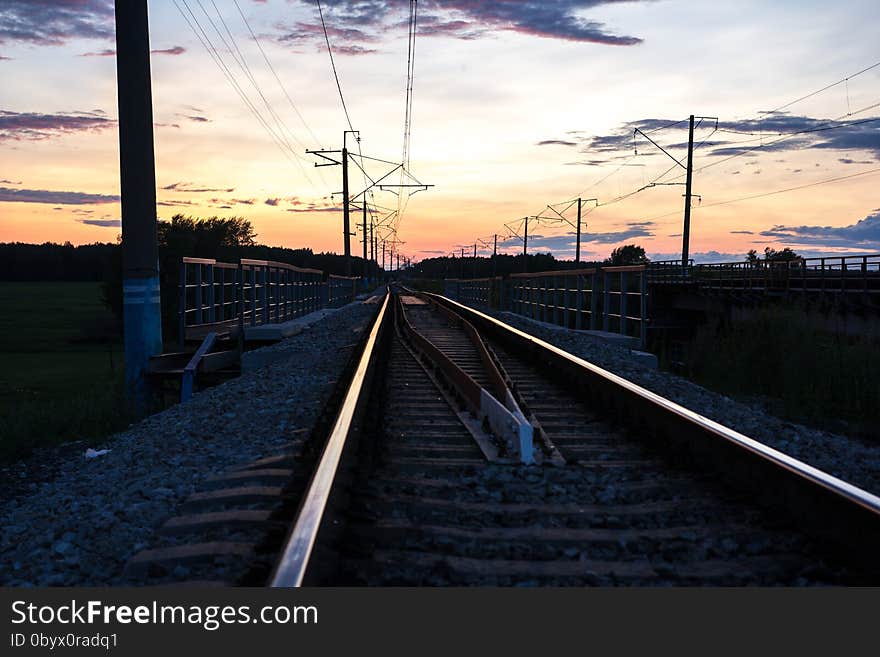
(511, 112)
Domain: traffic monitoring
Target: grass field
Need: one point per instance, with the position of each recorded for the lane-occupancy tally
(62, 370)
(828, 380)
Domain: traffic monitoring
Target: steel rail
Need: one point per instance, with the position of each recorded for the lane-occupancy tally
(291, 567)
(832, 493)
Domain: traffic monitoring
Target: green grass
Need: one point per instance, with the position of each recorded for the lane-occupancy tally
(812, 377)
(62, 371)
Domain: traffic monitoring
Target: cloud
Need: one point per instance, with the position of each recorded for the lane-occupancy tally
(9, 182)
(33, 126)
(111, 52)
(700, 257)
(107, 52)
(9, 195)
(272, 201)
(55, 22)
(226, 203)
(174, 203)
(311, 207)
(195, 118)
(762, 134)
(633, 231)
(742, 232)
(103, 223)
(174, 50)
(556, 142)
(192, 188)
(5, 59)
(865, 234)
(458, 19)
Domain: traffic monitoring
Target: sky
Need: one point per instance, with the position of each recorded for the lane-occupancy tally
(516, 105)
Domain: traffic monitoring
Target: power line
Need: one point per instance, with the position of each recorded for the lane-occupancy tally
(277, 77)
(333, 65)
(200, 34)
(825, 88)
(792, 189)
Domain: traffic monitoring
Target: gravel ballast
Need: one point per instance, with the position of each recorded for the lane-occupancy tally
(73, 521)
(849, 459)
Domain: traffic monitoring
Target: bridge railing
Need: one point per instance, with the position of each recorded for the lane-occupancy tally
(209, 297)
(275, 292)
(839, 274)
(476, 292)
(611, 299)
(218, 297)
(341, 290)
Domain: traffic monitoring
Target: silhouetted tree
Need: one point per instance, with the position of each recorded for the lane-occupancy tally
(771, 255)
(631, 254)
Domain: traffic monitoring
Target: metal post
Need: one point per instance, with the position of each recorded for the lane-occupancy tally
(346, 225)
(577, 253)
(606, 291)
(686, 233)
(211, 315)
(594, 301)
(142, 312)
(526, 246)
(624, 286)
(181, 311)
(364, 230)
(494, 257)
(475, 260)
(643, 311)
(200, 317)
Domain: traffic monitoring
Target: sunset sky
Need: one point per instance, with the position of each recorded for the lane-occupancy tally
(516, 105)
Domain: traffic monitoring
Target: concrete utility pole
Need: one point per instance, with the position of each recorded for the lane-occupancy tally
(142, 312)
(686, 233)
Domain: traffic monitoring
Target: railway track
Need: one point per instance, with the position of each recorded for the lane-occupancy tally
(464, 452)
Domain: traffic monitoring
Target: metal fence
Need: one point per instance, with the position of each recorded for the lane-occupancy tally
(220, 296)
(612, 299)
(341, 290)
(209, 297)
(275, 292)
(840, 274)
(477, 292)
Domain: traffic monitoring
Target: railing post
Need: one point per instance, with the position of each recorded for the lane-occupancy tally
(556, 300)
(182, 308)
(624, 288)
(566, 301)
(579, 303)
(606, 306)
(211, 314)
(253, 295)
(264, 293)
(643, 311)
(199, 316)
(594, 301)
(222, 290)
